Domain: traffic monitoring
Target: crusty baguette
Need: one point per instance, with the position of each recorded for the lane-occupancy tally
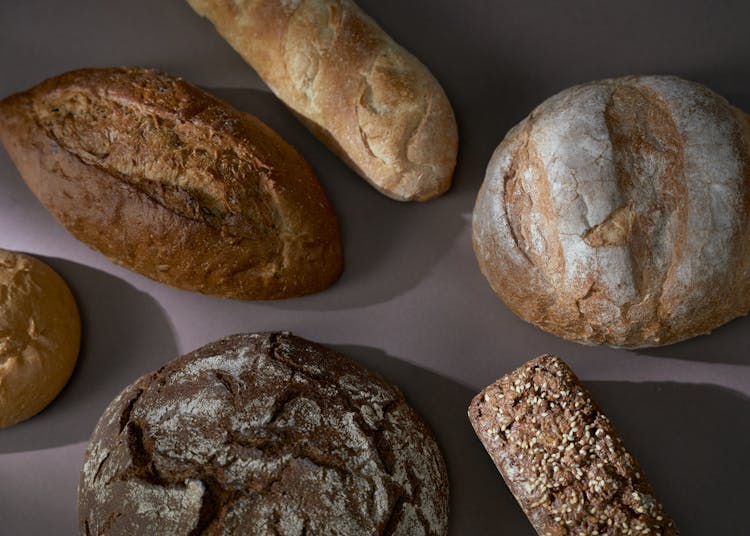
(562, 458)
(173, 183)
(363, 95)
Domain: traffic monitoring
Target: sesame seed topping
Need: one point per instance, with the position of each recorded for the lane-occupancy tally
(568, 453)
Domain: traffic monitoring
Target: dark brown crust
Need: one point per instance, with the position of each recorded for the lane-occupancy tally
(256, 223)
(562, 458)
(262, 434)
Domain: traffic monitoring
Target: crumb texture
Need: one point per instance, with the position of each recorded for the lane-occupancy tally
(262, 434)
(617, 213)
(562, 458)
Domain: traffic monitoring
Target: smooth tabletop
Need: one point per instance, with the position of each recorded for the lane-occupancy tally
(412, 303)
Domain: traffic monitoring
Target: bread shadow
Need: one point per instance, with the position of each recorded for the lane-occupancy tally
(693, 442)
(727, 344)
(672, 429)
(480, 502)
(389, 246)
(740, 100)
(125, 334)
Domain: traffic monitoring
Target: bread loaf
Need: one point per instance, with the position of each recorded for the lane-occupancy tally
(562, 458)
(40, 335)
(262, 434)
(617, 212)
(363, 95)
(173, 183)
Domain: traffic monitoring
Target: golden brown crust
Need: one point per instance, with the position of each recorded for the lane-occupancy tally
(373, 103)
(40, 335)
(561, 456)
(173, 183)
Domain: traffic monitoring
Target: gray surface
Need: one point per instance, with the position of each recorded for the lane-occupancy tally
(412, 303)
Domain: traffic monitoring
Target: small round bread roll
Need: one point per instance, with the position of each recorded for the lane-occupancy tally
(262, 434)
(617, 213)
(40, 335)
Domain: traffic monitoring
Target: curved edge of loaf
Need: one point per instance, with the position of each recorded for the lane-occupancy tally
(373, 103)
(137, 231)
(528, 289)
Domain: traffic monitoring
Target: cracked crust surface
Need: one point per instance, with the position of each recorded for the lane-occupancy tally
(173, 183)
(562, 458)
(262, 434)
(372, 102)
(617, 213)
(40, 335)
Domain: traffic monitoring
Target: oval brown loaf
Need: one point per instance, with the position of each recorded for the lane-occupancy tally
(617, 212)
(173, 183)
(372, 102)
(262, 434)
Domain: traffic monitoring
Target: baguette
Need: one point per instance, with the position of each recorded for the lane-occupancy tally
(562, 458)
(173, 183)
(262, 434)
(372, 102)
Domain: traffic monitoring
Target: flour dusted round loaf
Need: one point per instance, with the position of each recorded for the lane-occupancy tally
(40, 335)
(262, 434)
(617, 213)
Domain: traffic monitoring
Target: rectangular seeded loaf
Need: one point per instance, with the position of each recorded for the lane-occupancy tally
(562, 458)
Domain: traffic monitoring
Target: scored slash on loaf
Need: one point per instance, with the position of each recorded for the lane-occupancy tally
(173, 183)
(368, 99)
(562, 458)
(616, 213)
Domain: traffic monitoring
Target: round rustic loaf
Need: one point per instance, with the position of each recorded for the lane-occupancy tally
(40, 335)
(262, 434)
(617, 213)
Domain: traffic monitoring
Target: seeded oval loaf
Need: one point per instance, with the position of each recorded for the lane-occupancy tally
(617, 213)
(369, 100)
(40, 335)
(262, 434)
(173, 183)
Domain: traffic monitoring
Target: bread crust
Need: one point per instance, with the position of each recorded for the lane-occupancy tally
(262, 434)
(617, 213)
(562, 458)
(40, 336)
(372, 102)
(173, 183)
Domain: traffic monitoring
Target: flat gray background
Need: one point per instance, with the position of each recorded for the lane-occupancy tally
(412, 303)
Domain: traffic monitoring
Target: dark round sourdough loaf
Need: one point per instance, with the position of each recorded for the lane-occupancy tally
(262, 434)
